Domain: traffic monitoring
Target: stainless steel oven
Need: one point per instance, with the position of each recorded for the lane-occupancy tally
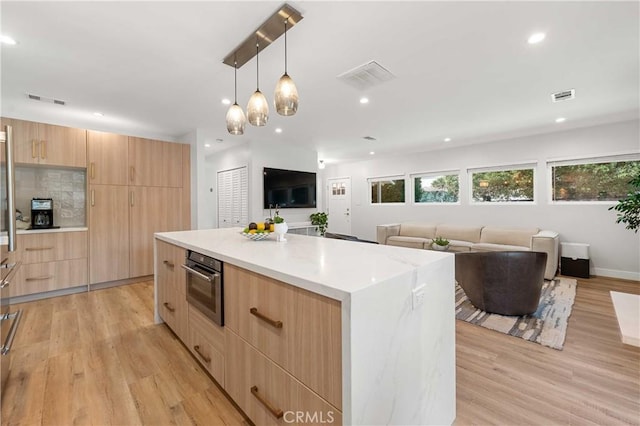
(204, 285)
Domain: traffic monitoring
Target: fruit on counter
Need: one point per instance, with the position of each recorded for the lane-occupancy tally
(253, 225)
(261, 226)
(252, 231)
(272, 227)
(246, 230)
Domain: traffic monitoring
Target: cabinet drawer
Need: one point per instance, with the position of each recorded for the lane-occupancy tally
(50, 247)
(207, 343)
(267, 393)
(173, 309)
(297, 329)
(40, 277)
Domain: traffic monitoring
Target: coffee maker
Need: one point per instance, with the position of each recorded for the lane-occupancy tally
(41, 213)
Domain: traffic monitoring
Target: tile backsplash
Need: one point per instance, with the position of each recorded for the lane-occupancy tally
(67, 187)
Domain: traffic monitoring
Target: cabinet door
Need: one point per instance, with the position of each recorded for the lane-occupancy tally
(108, 233)
(107, 154)
(62, 146)
(25, 140)
(152, 209)
(54, 246)
(172, 299)
(155, 163)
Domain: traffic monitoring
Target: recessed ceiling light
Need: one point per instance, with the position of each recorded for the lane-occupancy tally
(536, 38)
(98, 114)
(207, 145)
(560, 120)
(7, 40)
(321, 165)
(364, 100)
(447, 139)
(278, 130)
(226, 101)
(372, 152)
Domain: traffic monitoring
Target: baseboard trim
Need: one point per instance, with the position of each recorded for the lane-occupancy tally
(48, 294)
(614, 273)
(109, 284)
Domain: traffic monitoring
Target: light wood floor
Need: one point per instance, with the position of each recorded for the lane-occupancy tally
(97, 358)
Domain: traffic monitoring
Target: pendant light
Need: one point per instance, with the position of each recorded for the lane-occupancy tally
(286, 95)
(258, 107)
(235, 116)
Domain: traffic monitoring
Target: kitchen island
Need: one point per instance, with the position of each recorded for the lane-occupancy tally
(395, 327)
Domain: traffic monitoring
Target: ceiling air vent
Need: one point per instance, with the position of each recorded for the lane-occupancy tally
(366, 76)
(43, 99)
(369, 138)
(565, 95)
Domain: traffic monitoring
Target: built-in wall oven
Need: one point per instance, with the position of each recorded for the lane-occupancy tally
(204, 285)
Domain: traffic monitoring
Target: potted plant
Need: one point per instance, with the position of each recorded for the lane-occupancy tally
(629, 207)
(280, 226)
(440, 244)
(320, 220)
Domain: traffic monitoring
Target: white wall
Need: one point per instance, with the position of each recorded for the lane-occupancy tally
(255, 156)
(614, 250)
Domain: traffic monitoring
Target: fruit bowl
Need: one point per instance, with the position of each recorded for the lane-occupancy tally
(257, 236)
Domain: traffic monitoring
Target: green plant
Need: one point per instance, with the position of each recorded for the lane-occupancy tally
(320, 219)
(441, 241)
(629, 207)
(277, 218)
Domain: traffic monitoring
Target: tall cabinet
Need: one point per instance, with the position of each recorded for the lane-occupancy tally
(136, 189)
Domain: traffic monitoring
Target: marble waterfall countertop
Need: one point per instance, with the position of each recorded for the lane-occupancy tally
(330, 267)
(397, 316)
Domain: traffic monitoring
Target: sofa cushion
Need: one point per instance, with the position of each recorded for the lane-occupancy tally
(497, 247)
(411, 242)
(506, 236)
(462, 233)
(417, 229)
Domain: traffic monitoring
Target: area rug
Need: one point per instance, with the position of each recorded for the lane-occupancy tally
(547, 326)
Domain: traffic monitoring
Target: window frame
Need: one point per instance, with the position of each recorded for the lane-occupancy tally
(372, 180)
(413, 176)
(525, 165)
(575, 161)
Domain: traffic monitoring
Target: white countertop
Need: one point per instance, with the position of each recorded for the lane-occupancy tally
(333, 268)
(48, 231)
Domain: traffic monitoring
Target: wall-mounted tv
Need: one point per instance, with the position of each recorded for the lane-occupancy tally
(289, 188)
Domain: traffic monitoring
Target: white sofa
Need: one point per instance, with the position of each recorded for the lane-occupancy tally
(473, 238)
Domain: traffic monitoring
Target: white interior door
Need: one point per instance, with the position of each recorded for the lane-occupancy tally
(339, 205)
(233, 198)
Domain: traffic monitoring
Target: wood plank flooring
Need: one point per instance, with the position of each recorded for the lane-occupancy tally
(97, 358)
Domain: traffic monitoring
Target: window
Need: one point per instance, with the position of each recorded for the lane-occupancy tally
(603, 179)
(436, 188)
(387, 190)
(498, 185)
(338, 188)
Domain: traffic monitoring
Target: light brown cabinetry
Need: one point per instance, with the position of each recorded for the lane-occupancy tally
(154, 163)
(47, 144)
(152, 209)
(50, 261)
(107, 158)
(207, 343)
(172, 300)
(267, 393)
(283, 350)
(108, 233)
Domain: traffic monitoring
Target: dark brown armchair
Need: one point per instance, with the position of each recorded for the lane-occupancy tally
(502, 282)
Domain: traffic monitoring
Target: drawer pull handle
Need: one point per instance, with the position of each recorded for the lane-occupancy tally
(168, 263)
(40, 278)
(38, 248)
(277, 413)
(43, 149)
(132, 172)
(206, 359)
(275, 323)
(93, 197)
(169, 307)
(93, 170)
(33, 149)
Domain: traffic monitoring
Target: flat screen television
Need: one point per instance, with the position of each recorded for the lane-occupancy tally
(289, 188)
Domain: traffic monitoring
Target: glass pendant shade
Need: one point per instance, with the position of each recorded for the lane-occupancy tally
(258, 109)
(286, 96)
(235, 120)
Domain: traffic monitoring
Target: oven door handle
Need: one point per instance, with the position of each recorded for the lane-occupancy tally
(200, 274)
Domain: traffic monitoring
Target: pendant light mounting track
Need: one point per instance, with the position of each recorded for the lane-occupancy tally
(267, 33)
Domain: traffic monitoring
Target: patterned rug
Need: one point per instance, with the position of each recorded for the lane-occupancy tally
(547, 326)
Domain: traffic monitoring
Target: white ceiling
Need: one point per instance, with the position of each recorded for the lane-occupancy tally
(464, 69)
